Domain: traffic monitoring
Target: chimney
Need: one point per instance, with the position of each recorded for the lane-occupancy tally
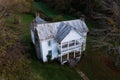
(37, 14)
(82, 18)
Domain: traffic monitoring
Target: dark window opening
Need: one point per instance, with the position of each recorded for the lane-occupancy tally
(50, 52)
(72, 43)
(49, 43)
(58, 51)
(65, 45)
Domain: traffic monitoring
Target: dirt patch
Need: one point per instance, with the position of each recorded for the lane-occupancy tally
(110, 64)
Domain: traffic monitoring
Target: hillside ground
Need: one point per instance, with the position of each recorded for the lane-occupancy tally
(95, 63)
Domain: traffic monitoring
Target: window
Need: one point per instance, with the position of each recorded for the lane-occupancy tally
(77, 42)
(49, 43)
(49, 56)
(64, 45)
(72, 43)
(50, 52)
(58, 51)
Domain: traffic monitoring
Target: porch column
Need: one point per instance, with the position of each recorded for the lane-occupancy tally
(80, 52)
(61, 53)
(68, 52)
(75, 46)
(74, 53)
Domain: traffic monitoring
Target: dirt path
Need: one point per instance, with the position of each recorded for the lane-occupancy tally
(83, 75)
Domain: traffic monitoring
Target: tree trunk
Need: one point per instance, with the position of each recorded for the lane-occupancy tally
(117, 59)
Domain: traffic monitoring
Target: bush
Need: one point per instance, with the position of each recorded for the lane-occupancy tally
(49, 57)
(58, 18)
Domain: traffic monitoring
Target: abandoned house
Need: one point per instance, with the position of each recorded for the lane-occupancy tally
(60, 40)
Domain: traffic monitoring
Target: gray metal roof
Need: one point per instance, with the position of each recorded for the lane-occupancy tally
(37, 20)
(59, 30)
(62, 32)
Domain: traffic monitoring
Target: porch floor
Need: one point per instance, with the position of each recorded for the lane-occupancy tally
(70, 58)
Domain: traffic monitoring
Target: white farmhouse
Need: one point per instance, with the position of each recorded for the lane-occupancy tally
(61, 40)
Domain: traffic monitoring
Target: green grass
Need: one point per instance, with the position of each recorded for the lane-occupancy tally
(50, 13)
(53, 71)
(47, 11)
(27, 18)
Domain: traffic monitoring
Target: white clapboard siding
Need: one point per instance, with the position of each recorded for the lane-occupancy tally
(57, 33)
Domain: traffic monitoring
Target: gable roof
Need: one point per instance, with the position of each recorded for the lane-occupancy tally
(37, 20)
(62, 32)
(56, 29)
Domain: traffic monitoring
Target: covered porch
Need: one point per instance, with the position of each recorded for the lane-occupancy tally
(69, 50)
(72, 55)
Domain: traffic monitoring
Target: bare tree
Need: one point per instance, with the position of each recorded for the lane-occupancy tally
(111, 39)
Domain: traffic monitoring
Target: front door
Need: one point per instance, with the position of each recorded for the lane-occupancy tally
(71, 55)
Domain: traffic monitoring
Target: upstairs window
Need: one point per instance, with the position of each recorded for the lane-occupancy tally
(72, 43)
(77, 42)
(58, 51)
(64, 45)
(49, 43)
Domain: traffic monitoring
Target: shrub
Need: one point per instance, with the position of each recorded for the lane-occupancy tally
(49, 56)
(58, 18)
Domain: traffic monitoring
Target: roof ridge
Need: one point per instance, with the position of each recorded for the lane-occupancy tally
(57, 28)
(60, 21)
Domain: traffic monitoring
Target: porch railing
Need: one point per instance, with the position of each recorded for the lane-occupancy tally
(69, 48)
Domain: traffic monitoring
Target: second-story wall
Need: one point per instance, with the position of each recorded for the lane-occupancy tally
(73, 35)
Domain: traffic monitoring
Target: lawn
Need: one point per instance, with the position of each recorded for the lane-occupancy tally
(52, 71)
(49, 12)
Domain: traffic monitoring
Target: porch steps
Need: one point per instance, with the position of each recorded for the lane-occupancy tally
(73, 62)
